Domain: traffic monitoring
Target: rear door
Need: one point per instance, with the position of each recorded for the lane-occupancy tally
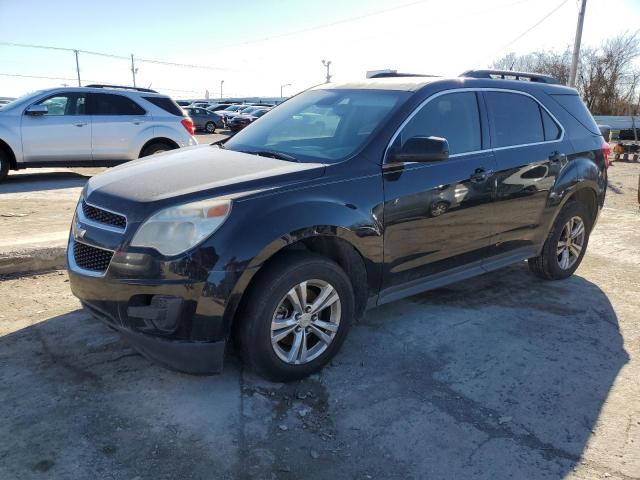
(62, 134)
(118, 123)
(530, 150)
(437, 215)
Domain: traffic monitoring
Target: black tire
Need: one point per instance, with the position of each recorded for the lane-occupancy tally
(157, 147)
(546, 265)
(210, 127)
(4, 165)
(253, 333)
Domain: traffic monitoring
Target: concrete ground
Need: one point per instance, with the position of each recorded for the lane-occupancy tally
(501, 376)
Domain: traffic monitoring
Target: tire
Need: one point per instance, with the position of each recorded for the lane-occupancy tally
(270, 299)
(157, 147)
(4, 165)
(210, 127)
(548, 265)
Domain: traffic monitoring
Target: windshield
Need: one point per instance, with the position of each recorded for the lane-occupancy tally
(20, 100)
(319, 125)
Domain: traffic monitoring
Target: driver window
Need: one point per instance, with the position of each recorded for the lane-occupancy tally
(454, 116)
(65, 104)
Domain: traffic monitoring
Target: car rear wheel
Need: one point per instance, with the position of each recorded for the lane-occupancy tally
(210, 127)
(4, 165)
(566, 244)
(154, 148)
(296, 317)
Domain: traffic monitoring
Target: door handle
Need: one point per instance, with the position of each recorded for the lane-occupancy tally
(81, 124)
(138, 123)
(555, 157)
(480, 175)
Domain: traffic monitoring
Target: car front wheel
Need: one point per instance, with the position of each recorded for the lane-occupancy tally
(296, 317)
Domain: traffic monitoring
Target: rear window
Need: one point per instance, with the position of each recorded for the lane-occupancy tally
(166, 104)
(515, 118)
(551, 129)
(111, 104)
(578, 110)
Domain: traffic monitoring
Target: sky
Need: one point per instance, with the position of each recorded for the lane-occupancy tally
(258, 46)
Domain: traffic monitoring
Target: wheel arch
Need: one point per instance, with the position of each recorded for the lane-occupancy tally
(7, 150)
(329, 241)
(164, 140)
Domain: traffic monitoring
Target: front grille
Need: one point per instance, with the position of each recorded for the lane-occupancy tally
(103, 216)
(91, 258)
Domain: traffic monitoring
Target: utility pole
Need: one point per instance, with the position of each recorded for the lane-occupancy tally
(78, 67)
(221, 83)
(134, 70)
(282, 86)
(327, 64)
(576, 45)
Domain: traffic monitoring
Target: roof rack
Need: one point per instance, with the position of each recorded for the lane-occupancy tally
(120, 87)
(393, 73)
(509, 74)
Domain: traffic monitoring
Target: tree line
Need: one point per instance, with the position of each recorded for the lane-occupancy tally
(608, 79)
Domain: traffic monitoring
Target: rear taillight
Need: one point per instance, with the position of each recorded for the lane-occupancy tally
(606, 150)
(188, 124)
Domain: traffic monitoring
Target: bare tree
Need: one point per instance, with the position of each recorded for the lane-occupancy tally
(607, 78)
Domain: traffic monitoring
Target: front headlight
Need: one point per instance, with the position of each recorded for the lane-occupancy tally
(177, 229)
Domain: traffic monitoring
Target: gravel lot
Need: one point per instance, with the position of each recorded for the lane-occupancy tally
(501, 376)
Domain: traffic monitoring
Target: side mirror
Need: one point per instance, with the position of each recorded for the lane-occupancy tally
(36, 110)
(422, 149)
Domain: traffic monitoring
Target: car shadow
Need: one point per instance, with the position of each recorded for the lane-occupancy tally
(38, 181)
(500, 376)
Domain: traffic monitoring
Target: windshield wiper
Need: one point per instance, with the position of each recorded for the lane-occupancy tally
(274, 154)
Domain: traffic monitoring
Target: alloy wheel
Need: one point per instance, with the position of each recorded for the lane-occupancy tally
(305, 322)
(571, 242)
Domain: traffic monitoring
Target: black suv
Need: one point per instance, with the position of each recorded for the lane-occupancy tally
(344, 197)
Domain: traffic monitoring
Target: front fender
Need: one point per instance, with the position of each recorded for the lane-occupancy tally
(244, 246)
(11, 135)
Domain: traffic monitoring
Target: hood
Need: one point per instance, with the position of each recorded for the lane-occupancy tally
(202, 168)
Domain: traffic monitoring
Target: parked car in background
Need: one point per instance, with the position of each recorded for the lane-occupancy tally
(201, 104)
(282, 236)
(245, 109)
(240, 121)
(203, 119)
(96, 125)
(218, 106)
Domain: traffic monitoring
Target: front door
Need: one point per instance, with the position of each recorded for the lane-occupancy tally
(63, 134)
(437, 215)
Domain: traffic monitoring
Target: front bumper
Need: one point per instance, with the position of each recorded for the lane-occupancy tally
(197, 358)
(181, 336)
(173, 310)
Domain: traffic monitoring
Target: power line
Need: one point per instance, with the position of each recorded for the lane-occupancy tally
(326, 25)
(111, 55)
(555, 9)
(42, 77)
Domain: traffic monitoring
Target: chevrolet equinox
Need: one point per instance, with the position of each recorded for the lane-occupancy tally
(344, 197)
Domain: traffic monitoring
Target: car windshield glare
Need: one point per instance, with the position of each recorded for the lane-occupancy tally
(320, 125)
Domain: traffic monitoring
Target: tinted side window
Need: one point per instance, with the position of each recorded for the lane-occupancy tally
(454, 116)
(65, 104)
(516, 119)
(108, 104)
(551, 129)
(166, 104)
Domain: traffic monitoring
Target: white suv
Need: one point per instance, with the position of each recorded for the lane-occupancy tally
(96, 125)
